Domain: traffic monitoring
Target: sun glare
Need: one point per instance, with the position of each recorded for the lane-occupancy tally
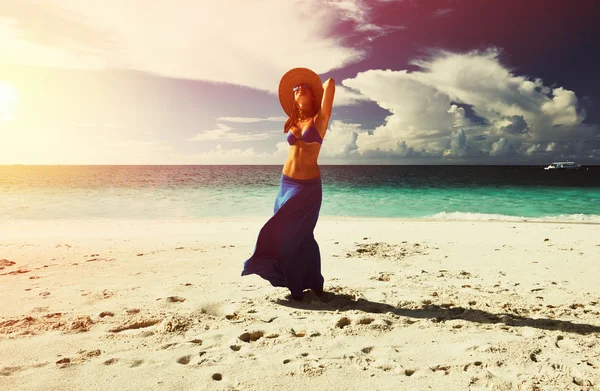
(8, 101)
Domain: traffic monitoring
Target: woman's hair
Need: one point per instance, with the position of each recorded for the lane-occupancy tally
(293, 119)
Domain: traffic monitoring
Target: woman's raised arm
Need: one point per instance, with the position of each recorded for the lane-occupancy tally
(327, 101)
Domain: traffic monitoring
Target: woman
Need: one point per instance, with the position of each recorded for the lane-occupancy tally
(286, 252)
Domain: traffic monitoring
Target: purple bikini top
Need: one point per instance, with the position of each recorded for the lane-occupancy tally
(310, 135)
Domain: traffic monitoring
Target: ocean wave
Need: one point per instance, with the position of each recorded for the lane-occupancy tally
(564, 218)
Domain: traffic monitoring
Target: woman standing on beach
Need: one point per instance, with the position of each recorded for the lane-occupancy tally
(286, 252)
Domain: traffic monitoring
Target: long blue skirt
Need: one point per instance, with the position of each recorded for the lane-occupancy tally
(286, 253)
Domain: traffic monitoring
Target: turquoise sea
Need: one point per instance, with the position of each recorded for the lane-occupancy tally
(512, 193)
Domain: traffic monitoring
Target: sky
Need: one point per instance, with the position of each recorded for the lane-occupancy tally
(195, 81)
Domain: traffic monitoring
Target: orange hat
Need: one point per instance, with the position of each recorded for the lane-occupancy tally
(292, 78)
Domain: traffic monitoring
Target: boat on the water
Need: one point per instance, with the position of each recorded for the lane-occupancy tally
(563, 166)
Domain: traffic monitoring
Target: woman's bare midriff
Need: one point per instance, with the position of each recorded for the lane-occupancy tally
(301, 162)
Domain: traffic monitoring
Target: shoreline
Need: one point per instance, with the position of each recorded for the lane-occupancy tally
(252, 219)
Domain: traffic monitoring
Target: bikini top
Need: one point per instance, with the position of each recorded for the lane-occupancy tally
(310, 135)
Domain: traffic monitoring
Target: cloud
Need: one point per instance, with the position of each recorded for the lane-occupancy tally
(501, 148)
(359, 12)
(562, 109)
(461, 105)
(340, 140)
(16, 50)
(345, 96)
(515, 124)
(238, 42)
(460, 116)
(43, 24)
(220, 155)
(533, 149)
(355, 11)
(224, 133)
(458, 143)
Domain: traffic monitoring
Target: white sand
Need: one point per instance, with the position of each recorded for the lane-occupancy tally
(413, 305)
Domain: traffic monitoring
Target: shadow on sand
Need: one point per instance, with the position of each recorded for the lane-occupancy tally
(330, 301)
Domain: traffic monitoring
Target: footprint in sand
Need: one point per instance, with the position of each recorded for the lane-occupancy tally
(6, 263)
(558, 367)
(79, 324)
(343, 322)
(312, 369)
(534, 355)
(565, 343)
(134, 325)
(85, 354)
(7, 371)
(252, 336)
(233, 317)
(591, 363)
(136, 363)
(383, 276)
(582, 382)
(185, 360)
(489, 382)
(366, 321)
(170, 345)
(63, 362)
(443, 368)
(175, 323)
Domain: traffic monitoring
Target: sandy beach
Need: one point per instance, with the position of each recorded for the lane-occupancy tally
(410, 305)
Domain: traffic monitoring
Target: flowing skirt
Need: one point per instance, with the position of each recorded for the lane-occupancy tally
(286, 253)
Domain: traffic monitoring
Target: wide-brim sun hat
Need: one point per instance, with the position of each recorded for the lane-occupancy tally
(292, 78)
